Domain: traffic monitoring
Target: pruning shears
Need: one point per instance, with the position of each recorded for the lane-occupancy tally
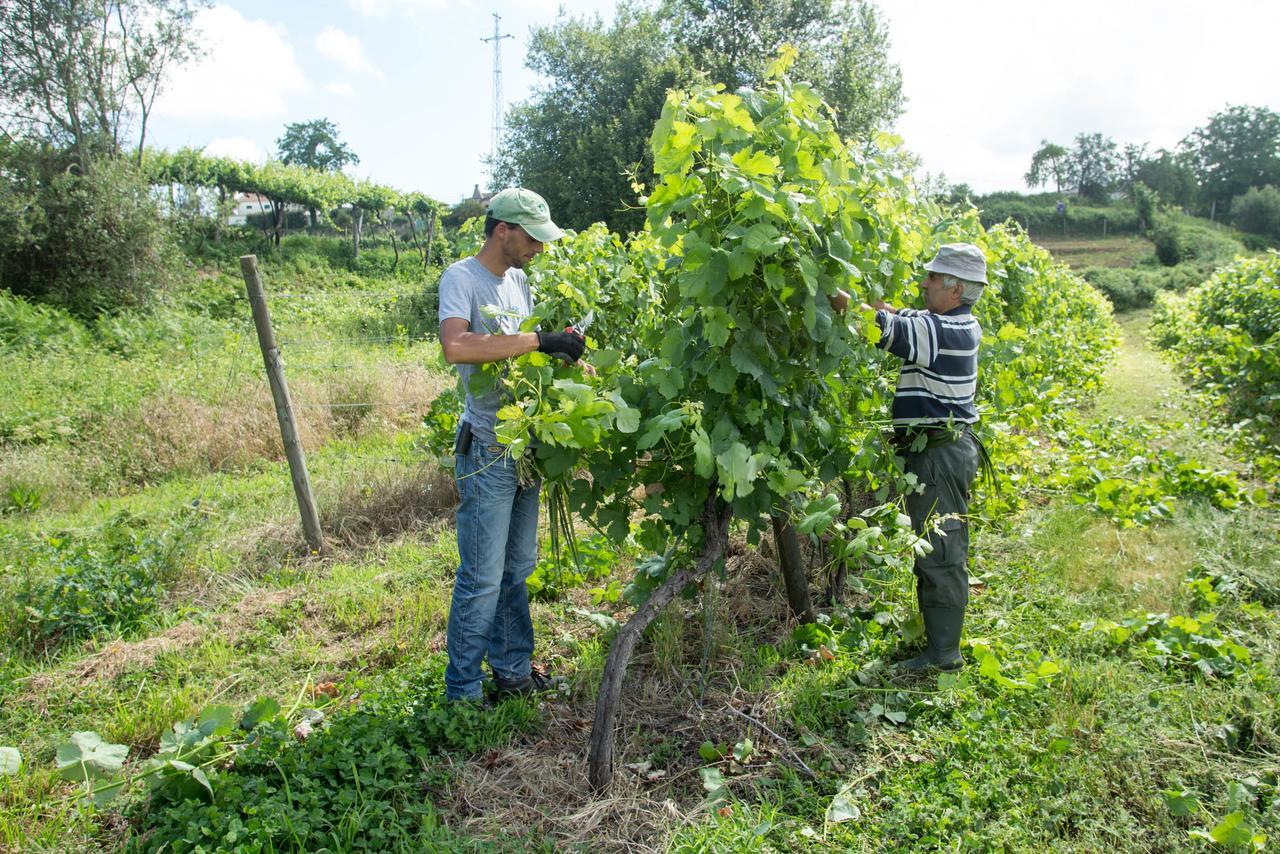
(580, 328)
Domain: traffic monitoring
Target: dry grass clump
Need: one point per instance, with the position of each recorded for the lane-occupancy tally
(355, 515)
(389, 506)
(174, 432)
(49, 471)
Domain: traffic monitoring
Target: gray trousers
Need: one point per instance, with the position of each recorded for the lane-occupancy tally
(947, 472)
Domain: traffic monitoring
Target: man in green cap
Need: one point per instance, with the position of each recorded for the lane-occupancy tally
(933, 418)
(483, 301)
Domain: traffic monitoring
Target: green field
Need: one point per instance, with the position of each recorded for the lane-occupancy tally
(1079, 252)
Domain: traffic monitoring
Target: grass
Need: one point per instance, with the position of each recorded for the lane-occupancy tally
(1080, 252)
(1055, 737)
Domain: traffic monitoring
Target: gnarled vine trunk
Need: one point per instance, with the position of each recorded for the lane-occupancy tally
(715, 524)
(794, 577)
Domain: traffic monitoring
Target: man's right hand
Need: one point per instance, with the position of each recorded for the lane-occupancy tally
(567, 344)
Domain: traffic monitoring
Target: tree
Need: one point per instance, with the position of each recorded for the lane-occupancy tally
(1239, 148)
(1092, 166)
(1145, 203)
(1050, 161)
(315, 145)
(581, 139)
(463, 211)
(582, 136)
(77, 73)
(1131, 156)
(1170, 175)
(1258, 211)
(842, 48)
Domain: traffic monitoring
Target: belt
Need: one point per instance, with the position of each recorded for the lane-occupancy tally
(907, 438)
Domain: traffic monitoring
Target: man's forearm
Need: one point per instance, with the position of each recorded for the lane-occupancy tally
(476, 348)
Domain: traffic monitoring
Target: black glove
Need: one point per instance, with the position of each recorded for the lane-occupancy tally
(567, 344)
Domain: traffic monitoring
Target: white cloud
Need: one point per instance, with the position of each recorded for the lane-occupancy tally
(247, 72)
(984, 89)
(383, 8)
(346, 50)
(236, 148)
(342, 90)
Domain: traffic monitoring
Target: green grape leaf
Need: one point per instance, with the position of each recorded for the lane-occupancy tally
(86, 756)
(261, 710)
(843, 808)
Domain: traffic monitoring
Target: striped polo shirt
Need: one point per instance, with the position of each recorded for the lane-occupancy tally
(940, 364)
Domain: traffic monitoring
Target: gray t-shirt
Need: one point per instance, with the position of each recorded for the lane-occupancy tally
(496, 305)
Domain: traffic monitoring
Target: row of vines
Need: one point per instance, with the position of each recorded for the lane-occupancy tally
(285, 185)
(1225, 337)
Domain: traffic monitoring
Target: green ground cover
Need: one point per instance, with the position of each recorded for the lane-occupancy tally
(1079, 252)
(1121, 692)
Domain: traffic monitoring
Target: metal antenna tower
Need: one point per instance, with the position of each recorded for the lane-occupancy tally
(496, 38)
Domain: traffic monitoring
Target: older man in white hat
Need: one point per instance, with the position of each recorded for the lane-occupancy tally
(933, 415)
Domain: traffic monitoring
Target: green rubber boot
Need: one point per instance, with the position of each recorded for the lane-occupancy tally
(942, 627)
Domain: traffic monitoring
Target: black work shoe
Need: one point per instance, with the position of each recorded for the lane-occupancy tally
(480, 704)
(536, 682)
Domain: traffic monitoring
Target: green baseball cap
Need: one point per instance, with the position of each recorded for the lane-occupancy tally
(526, 209)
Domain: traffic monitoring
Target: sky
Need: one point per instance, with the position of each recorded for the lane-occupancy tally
(409, 82)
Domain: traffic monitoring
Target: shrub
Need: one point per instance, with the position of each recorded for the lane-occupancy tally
(1145, 202)
(1258, 211)
(90, 240)
(30, 326)
(1171, 242)
(110, 583)
(1137, 287)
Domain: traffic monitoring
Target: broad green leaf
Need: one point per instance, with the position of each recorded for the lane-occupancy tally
(714, 784)
(755, 164)
(819, 514)
(86, 756)
(737, 470)
(628, 420)
(843, 808)
(742, 262)
(10, 761)
(704, 462)
(261, 710)
(200, 777)
(105, 793)
(717, 329)
(1233, 831)
(1181, 803)
(785, 481)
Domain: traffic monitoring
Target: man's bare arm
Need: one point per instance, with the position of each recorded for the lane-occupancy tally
(462, 346)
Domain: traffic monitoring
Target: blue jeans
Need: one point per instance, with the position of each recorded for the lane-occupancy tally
(497, 525)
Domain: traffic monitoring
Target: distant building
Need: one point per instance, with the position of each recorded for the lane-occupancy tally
(482, 198)
(248, 204)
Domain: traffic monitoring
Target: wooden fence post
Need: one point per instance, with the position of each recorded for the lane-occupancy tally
(284, 405)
